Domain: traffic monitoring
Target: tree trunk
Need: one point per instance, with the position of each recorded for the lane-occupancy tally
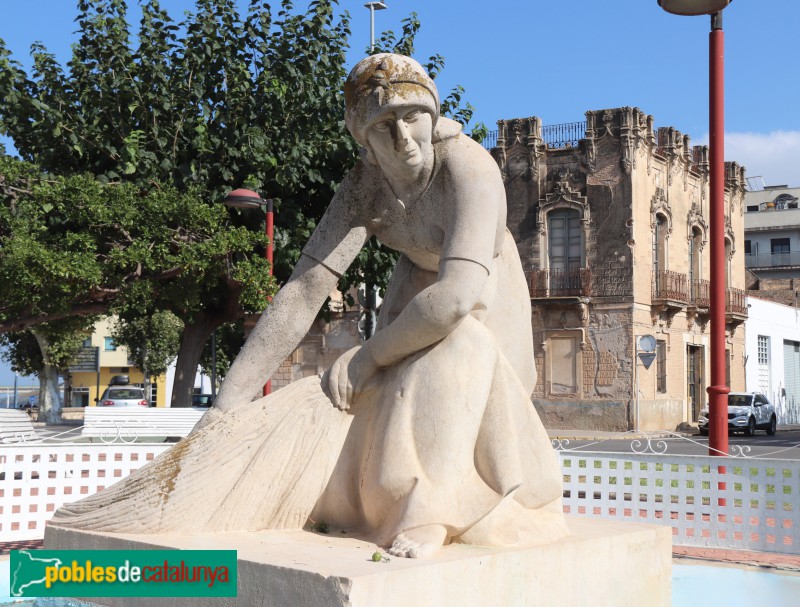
(193, 341)
(148, 392)
(49, 398)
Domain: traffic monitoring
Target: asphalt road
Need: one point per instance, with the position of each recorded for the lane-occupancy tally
(784, 445)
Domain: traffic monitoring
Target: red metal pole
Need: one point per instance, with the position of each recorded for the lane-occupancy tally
(270, 229)
(717, 391)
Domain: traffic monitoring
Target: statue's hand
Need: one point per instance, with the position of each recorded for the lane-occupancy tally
(349, 374)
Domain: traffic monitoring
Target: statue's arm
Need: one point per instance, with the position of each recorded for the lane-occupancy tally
(472, 221)
(331, 249)
(428, 318)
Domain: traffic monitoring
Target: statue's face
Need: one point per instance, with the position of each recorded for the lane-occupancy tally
(400, 139)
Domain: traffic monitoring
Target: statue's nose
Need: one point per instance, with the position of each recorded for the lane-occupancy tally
(402, 131)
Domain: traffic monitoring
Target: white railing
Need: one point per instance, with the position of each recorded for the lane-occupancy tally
(37, 479)
(761, 497)
(762, 509)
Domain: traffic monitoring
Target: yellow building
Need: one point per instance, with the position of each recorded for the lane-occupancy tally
(99, 361)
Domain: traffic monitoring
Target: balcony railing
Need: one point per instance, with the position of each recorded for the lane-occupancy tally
(564, 135)
(576, 282)
(490, 141)
(772, 260)
(736, 302)
(671, 286)
(700, 295)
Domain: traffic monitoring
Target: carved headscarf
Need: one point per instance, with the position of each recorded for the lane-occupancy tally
(380, 82)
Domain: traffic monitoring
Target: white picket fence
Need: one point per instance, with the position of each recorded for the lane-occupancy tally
(760, 510)
(751, 504)
(36, 479)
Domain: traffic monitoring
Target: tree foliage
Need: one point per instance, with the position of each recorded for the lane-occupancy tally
(74, 248)
(45, 351)
(152, 341)
(22, 352)
(165, 122)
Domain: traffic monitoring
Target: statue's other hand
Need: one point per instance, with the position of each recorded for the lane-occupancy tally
(349, 374)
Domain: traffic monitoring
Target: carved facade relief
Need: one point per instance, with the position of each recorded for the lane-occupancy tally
(696, 221)
(590, 148)
(633, 128)
(519, 147)
(659, 205)
(675, 149)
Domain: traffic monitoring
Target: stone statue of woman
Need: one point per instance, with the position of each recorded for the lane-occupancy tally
(425, 434)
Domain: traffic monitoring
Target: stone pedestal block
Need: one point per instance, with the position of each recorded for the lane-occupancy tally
(600, 563)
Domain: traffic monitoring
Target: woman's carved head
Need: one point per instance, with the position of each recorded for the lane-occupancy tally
(385, 83)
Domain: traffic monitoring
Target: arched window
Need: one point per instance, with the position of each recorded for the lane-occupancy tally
(660, 244)
(565, 240)
(728, 262)
(695, 261)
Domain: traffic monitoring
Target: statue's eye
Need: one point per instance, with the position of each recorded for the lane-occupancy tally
(412, 116)
(382, 126)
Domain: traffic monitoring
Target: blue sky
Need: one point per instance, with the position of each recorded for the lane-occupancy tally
(556, 60)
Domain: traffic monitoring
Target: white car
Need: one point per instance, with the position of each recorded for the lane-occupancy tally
(123, 396)
(748, 412)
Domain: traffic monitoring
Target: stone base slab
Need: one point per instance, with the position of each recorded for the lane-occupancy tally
(601, 563)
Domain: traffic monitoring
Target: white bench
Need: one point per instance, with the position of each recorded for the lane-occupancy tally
(129, 423)
(15, 426)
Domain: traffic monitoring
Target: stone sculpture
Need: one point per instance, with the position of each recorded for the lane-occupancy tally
(425, 434)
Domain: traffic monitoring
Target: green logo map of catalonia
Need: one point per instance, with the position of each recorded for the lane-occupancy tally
(113, 573)
(30, 571)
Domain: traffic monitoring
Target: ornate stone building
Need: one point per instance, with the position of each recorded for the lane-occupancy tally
(611, 220)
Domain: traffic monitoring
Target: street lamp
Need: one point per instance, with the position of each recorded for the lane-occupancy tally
(717, 391)
(373, 6)
(248, 199)
(693, 7)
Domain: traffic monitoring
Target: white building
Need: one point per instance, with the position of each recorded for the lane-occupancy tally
(772, 232)
(772, 355)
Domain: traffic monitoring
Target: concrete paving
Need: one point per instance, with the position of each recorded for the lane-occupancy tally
(634, 434)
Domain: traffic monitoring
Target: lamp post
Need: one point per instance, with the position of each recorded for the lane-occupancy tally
(248, 199)
(717, 391)
(373, 6)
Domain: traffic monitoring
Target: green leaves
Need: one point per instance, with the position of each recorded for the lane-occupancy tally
(152, 340)
(72, 241)
(141, 135)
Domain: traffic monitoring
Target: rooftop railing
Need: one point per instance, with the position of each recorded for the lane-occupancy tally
(772, 260)
(565, 135)
(490, 141)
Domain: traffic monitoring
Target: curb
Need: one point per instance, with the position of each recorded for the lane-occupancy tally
(766, 560)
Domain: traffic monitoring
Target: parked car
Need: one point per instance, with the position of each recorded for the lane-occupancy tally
(748, 412)
(123, 396)
(204, 401)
